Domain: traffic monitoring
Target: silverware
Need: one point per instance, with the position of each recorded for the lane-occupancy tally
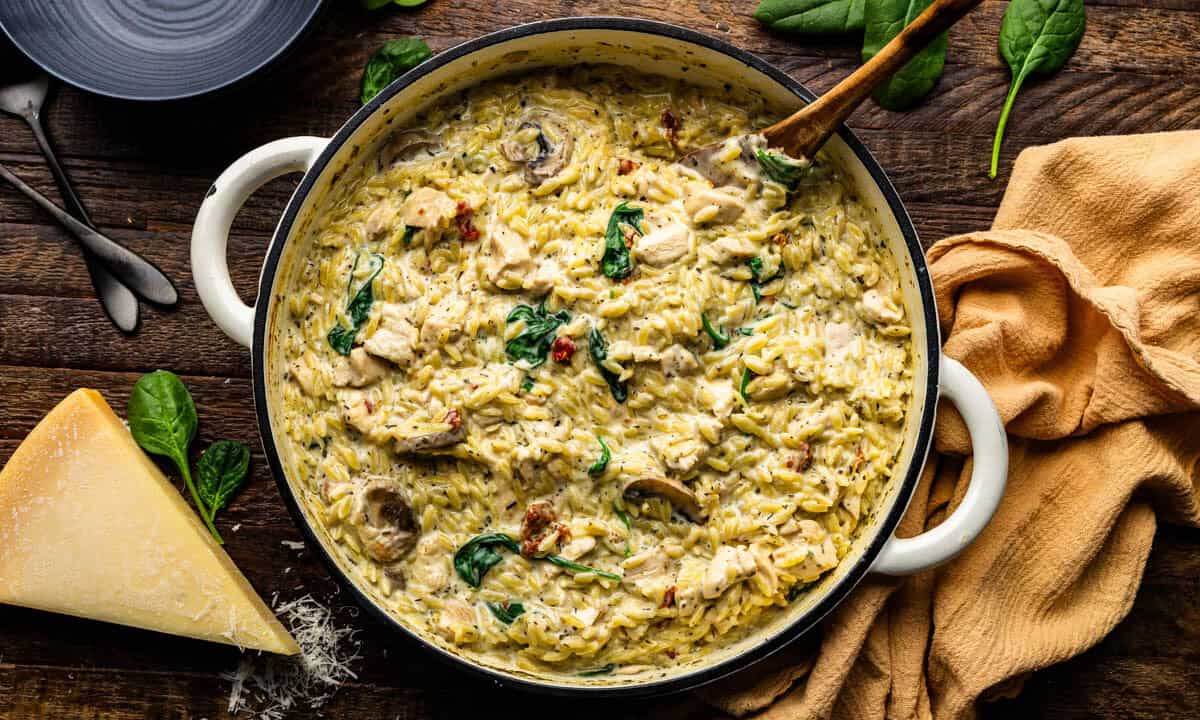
(133, 270)
(25, 101)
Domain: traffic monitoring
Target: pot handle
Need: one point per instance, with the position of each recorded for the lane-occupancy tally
(989, 444)
(210, 233)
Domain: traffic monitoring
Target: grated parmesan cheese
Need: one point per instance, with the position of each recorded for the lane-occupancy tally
(269, 686)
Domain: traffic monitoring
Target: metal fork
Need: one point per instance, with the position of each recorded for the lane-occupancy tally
(25, 101)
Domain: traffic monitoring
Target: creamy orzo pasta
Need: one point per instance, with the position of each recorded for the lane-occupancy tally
(569, 408)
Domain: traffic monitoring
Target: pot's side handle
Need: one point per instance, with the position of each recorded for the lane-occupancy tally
(989, 445)
(210, 233)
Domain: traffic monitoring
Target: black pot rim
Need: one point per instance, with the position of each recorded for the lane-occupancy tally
(729, 665)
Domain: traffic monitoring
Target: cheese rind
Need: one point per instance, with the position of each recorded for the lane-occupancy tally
(89, 526)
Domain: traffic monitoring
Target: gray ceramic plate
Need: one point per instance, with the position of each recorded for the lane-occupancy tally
(154, 49)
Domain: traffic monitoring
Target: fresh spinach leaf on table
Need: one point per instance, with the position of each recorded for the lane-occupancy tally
(884, 19)
(376, 4)
(812, 17)
(389, 62)
(532, 343)
(221, 472)
(1037, 37)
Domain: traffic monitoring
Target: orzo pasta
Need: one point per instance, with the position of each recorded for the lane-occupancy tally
(568, 407)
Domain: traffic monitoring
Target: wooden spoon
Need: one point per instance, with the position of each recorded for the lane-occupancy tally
(803, 133)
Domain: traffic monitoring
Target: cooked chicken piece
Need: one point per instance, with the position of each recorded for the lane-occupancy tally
(457, 621)
(578, 547)
(358, 412)
(838, 337)
(544, 278)
(396, 338)
(359, 369)
(728, 567)
(647, 572)
(418, 444)
(509, 261)
(718, 396)
(879, 310)
(541, 533)
(807, 562)
(768, 573)
(428, 208)
(302, 371)
(681, 498)
(678, 360)
(444, 322)
(705, 205)
(587, 616)
(808, 530)
(664, 245)
(771, 387)
(679, 453)
(385, 521)
(431, 565)
(381, 218)
(728, 248)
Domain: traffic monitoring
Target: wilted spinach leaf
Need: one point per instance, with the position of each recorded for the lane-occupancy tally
(599, 351)
(602, 670)
(747, 376)
(785, 170)
(389, 62)
(811, 16)
(479, 554)
(719, 339)
(532, 344)
(757, 281)
(617, 263)
(624, 518)
(605, 455)
(358, 307)
(884, 19)
(506, 611)
(1037, 37)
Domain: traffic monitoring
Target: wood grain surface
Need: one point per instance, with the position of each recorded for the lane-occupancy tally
(142, 171)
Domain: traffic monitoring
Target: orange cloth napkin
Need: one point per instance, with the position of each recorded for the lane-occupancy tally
(1080, 312)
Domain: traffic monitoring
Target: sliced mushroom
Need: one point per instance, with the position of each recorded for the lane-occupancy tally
(386, 523)
(675, 492)
(552, 155)
(409, 146)
(435, 440)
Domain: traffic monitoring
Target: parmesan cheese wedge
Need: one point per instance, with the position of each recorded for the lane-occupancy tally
(90, 527)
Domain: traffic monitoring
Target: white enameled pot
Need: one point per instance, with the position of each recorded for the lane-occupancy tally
(646, 46)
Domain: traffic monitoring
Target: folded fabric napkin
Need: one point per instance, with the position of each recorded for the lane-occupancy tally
(1080, 312)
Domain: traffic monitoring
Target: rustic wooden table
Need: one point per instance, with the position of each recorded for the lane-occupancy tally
(142, 171)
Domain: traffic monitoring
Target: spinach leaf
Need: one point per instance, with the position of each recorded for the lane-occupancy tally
(599, 351)
(532, 343)
(221, 472)
(1037, 37)
(479, 554)
(601, 465)
(527, 384)
(162, 419)
(358, 307)
(719, 339)
(624, 518)
(884, 19)
(561, 561)
(506, 611)
(389, 62)
(407, 238)
(617, 263)
(815, 17)
(746, 331)
(782, 168)
(747, 376)
(603, 670)
(757, 280)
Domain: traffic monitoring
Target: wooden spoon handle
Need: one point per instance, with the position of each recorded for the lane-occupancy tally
(806, 130)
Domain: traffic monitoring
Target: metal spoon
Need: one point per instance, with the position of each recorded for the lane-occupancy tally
(130, 268)
(803, 133)
(25, 101)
